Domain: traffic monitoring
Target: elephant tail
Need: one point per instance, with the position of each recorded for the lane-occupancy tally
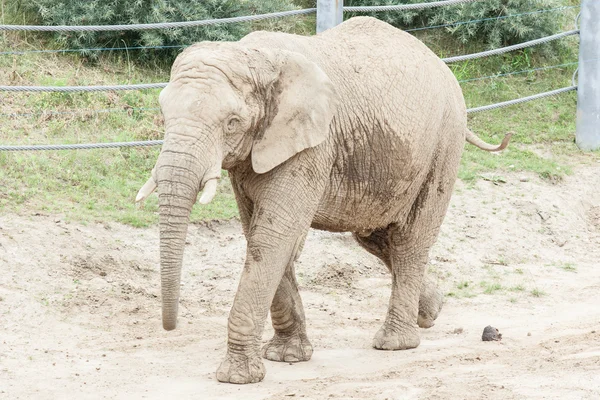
(476, 141)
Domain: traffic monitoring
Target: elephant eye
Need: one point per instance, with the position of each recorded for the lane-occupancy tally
(232, 124)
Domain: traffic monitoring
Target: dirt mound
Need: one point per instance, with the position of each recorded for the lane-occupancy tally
(90, 266)
(338, 275)
(93, 287)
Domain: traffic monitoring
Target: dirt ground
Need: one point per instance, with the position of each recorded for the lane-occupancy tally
(80, 307)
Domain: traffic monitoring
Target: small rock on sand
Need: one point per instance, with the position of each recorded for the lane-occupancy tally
(491, 334)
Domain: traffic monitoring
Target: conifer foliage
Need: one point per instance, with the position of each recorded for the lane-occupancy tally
(113, 12)
(489, 31)
(492, 32)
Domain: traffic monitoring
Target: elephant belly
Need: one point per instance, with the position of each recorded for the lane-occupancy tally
(376, 174)
(352, 206)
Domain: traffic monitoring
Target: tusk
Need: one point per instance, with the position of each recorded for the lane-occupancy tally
(210, 190)
(146, 190)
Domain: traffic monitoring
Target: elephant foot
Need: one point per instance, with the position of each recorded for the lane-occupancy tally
(430, 304)
(241, 369)
(429, 310)
(425, 322)
(388, 338)
(288, 348)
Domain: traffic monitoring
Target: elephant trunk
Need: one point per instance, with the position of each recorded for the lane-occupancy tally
(179, 176)
(176, 198)
(173, 230)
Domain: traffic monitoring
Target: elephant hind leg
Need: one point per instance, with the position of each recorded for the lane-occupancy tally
(409, 251)
(430, 297)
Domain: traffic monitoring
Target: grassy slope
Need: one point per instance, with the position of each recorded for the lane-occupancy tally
(99, 185)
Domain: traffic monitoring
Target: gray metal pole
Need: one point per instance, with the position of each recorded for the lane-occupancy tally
(330, 13)
(588, 91)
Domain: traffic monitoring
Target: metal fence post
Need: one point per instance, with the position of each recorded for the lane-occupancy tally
(588, 91)
(330, 13)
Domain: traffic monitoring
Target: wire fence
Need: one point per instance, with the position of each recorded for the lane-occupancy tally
(148, 143)
(521, 100)
(93, 49)
(145, 143)
(524, 71)
(406, 7)
(161, 25)
(506, 49)
(242, 19)
(131, 110)
(72, 89)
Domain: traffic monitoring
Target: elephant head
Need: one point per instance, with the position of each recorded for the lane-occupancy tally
(226, 103)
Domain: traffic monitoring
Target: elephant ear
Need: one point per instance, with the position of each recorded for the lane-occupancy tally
(305, 103)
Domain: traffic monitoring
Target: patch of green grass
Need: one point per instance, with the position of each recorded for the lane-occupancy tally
(491, 288)
(94, 185)
(543, 131)
(461, 294)
(463, 285)
(475, 162)
(537, 293)
(463, 290)
(569, 267)
(85, 185)
(517, 288)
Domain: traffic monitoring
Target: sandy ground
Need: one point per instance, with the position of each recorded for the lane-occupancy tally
(80, 312)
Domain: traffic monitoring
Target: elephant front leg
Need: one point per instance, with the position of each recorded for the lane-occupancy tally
(290, 342)
(268, 255)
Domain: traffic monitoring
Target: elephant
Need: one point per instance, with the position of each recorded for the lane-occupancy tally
(358, 129)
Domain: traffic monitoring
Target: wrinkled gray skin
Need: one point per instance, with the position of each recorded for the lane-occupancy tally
(359, 129)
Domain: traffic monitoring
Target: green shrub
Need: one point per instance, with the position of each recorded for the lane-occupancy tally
(101, 12)
(492, 33)
(306, 3)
